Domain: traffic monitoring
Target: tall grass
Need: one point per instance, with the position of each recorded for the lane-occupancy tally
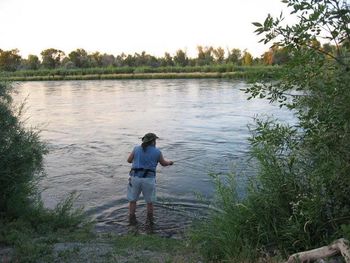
(284, 210)
(226, 233)
(217, 71)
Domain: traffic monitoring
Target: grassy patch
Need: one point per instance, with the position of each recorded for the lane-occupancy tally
(33, 244)
(82, 244)
(48, 241)
(235, 231)
(151, 248)
(223, 71)
(33, 234)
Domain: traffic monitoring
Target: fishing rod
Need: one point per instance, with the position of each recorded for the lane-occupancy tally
(185, 158)
(181, 159)
(54, 131)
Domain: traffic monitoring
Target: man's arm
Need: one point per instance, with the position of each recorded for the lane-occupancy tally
(164, 162)
(131, 157)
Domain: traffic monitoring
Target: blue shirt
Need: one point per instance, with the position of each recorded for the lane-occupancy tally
(147, 159)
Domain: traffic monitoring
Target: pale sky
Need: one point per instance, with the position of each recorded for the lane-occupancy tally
(115, 26)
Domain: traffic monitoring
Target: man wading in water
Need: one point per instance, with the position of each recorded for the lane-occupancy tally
(142, 178)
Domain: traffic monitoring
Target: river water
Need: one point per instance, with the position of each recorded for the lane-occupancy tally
(92, 126)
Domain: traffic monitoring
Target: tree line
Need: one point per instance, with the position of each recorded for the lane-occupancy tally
(51, 58)
(11, 60)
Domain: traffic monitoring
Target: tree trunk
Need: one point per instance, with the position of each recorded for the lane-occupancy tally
(339, 246)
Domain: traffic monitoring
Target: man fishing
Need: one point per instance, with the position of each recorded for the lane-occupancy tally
(144, 159)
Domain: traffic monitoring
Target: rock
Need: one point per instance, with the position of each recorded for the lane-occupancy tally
(6, 254)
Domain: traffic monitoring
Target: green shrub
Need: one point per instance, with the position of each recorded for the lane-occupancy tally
(21, 156)
(223, 234)
(300, 197)
(21, 168)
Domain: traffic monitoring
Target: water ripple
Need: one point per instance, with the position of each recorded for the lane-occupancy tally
(92, 126)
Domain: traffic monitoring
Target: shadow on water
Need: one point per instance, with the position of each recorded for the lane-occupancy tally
(171, 217)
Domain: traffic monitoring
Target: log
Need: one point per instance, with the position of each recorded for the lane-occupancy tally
(340, 246)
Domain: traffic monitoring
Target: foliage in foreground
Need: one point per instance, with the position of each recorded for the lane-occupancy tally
(32, 234)
(22, 214)
(300, 197)
(21, 156)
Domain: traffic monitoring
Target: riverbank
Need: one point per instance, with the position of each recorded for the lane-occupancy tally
(142, 73)
(18, 243)
(197, 75)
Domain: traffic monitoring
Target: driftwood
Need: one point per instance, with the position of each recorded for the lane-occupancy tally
(340, 246)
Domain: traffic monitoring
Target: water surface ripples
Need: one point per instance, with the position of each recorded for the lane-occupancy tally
(91, 127)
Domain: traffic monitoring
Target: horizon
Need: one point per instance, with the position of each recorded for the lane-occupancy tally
(131, 27)
(194, 56)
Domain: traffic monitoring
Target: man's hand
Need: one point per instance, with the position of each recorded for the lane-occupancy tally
(164, 162)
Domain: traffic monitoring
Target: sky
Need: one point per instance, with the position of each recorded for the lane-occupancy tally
(129, 26)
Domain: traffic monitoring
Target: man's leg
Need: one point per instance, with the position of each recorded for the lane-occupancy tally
(150, 210)
(134, 190)
(132, 210)
(149, 221)
(132, 207)
(149, 193)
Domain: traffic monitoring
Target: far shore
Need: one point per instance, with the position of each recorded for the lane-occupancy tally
(195, 75)
(121, 76)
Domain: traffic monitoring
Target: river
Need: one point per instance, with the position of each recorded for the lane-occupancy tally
(91, 127)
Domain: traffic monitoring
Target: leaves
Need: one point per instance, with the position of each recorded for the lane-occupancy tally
(257, 24)
(311, 158)
(21, 156)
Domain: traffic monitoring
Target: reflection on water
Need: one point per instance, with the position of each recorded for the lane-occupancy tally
(91, 127)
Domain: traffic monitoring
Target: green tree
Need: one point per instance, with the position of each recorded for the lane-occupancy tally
(328, 48)
(267, 57)
(129, 61)
(51, 58)
(247, 59)
(300, 197)
(107, 60)
(33, 62)
(205, 56)
(9, 60)
(234, 56)
(312, 156)
(276, 56)
(79, 58)
(145, 59)
(140, 59)
(280, 56)
(167, 60)
(95, 59)
(152, 61)
(181, 58)
(219, 55)
(119, 60)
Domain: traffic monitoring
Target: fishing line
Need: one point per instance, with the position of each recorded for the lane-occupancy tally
(47, 130)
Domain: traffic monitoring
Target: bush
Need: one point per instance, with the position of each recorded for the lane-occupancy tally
(21, 156)
(21, 168)
(300, 198)
(223, 235)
